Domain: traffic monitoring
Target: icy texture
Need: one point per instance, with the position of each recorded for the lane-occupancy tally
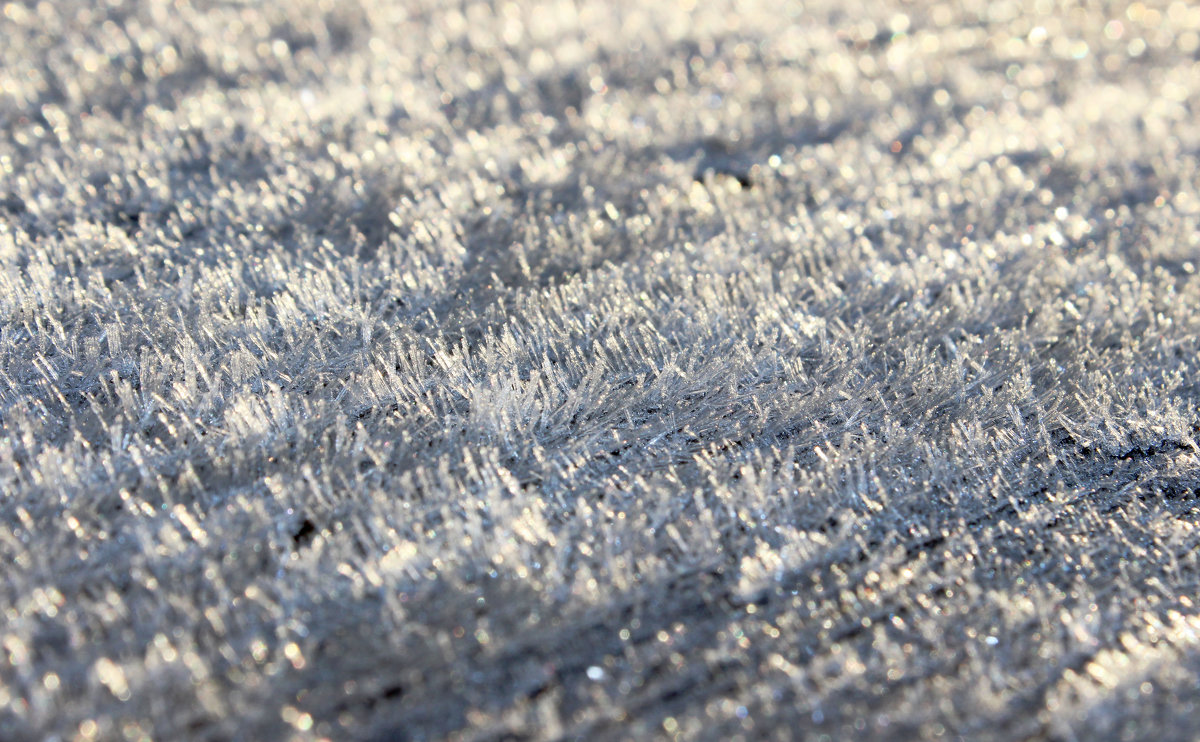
(600, 369)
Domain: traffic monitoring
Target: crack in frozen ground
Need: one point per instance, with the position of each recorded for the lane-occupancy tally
(380, 370)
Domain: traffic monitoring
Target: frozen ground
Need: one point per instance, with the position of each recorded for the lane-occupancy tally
(599, 369)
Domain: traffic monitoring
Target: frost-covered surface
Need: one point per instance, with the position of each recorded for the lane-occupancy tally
(611, 370)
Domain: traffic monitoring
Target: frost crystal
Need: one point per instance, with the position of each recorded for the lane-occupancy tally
(599, 369)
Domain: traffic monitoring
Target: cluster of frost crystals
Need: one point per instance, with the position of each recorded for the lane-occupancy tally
(536, 369)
